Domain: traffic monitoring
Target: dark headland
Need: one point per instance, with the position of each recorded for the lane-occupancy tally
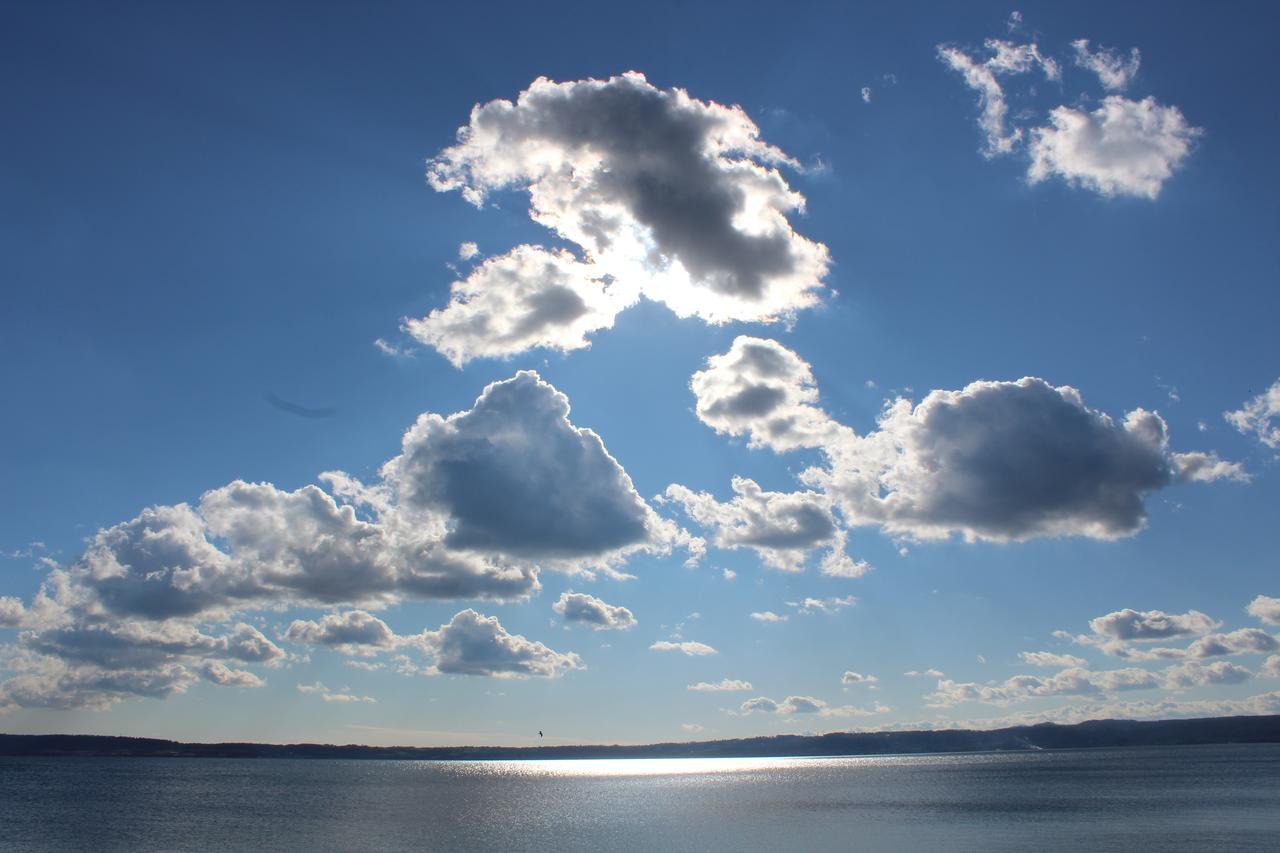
(1096, 733)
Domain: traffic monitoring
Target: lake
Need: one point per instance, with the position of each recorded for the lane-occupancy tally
(1159, 798)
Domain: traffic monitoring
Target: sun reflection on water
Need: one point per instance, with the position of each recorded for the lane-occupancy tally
(622, 767)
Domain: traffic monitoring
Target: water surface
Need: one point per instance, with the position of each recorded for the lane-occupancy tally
(1168, 798)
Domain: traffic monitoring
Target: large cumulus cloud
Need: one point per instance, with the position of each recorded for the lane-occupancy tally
(665, 196)
(996, 460)
(515, 477)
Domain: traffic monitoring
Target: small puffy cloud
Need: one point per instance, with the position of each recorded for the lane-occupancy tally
(1260, 417)
(1238, 642)
(685, 647)
(582, 609)
(665, 196)
(1115, 71)
(982, 76)
(1265, 609)
(1199, 467)
(527, 298)
(1130, 625)
(355, 632)
(1194, 674)
(11, 611)
(343, 696)
(1052, 660)
(833, 604)
(767, 616)
(472, 644)
(1122, 148)
(866, 94)
(467, 251)
(724, 685)
(762, 390)
(781, 527)
(1271, 667)
(224, 676)
(807, 705)
(761, 704)
(851, 677)
(517, 478)
(690, 727)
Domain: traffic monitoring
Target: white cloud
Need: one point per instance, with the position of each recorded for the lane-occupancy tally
(763, 390)
(781, 527)
(1052, 660)
(1266, 609)
(1122, 148)
(866, 94)
(1151, 625)
(529, 297)
(1238, 642)
(690, 727)
(220, 674)
(767, 616)
(472, 644)
(515, 477)
(474, 507)
(342, 696)
(467, 251)
(687, 648)
(1271, 667)
(11, 611)
(1074, 681)
(663, 195)
(1194, 674)
(1198, 467)
(1260, 416)
(833, 604)
(851, 677)
(807, 705)
(1114, 71)
(1005, 58)
(724, 685)
(352, 633)
(1000, 461)
(583, 609)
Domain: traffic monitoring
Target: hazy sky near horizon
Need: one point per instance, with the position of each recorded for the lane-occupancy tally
(411, 374)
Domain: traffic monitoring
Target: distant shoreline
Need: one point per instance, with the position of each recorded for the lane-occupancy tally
(1092, 734)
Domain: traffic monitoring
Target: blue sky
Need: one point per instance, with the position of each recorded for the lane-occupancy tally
(207, 209)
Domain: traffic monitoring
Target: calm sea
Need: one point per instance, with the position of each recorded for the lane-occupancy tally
(1178, 798)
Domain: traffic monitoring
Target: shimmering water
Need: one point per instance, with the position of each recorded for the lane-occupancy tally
(1179, 798)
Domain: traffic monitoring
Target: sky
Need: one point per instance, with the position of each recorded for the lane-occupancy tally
(410, 374)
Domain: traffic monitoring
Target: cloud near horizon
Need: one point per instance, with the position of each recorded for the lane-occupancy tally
(474, 507)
